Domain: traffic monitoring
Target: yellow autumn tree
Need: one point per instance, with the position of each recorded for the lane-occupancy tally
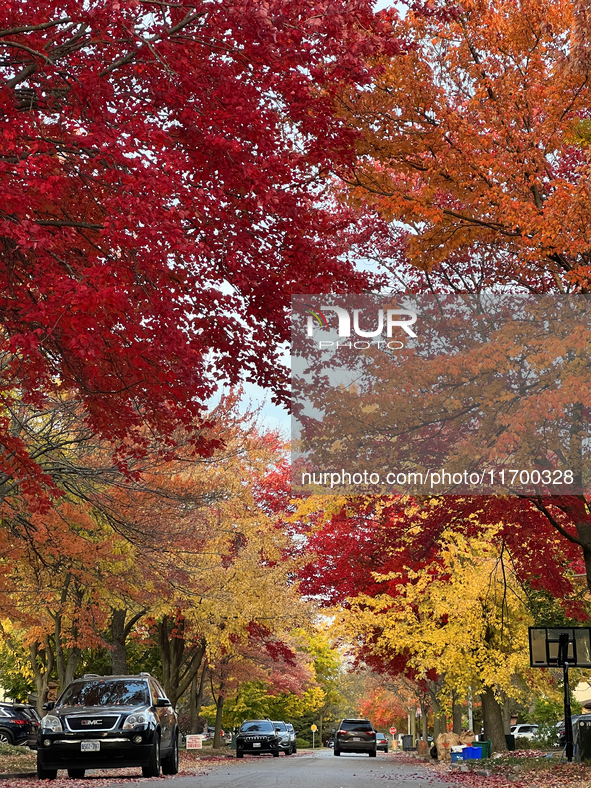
(464, 618)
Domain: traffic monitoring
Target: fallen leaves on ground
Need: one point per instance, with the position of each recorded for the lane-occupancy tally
(190, 764)
(16, 759)
(519, 770)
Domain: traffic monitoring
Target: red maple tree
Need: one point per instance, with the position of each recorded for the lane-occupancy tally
(161, 190)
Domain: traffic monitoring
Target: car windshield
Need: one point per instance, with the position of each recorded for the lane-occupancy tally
(103, 692)
(280, 726)
(259, 726)
(356, 725)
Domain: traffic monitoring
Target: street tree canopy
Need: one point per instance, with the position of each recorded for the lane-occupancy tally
(161, 191)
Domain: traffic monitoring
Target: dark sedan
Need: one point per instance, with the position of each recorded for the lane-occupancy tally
(381, 742)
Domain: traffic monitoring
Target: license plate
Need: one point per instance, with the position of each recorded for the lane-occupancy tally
(90, 746)
(355, 738)
(256, 744)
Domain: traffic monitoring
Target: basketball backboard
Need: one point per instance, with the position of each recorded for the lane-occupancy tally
(544, 647)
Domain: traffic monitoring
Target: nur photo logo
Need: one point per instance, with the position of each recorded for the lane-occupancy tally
(350, 323)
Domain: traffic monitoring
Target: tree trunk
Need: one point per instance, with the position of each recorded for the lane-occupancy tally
(197, 699)
(424, 719)
(193, 705)
(66, 659)
(118, 642)
(119, 634)
(72, 662)
(42, 661)
(456, 714)
(506, 716)
(180, 660)
(439, 720)
(413, 724)
(492, 714)
(219, 708)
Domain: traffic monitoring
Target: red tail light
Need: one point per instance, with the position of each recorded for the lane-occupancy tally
(20, 722)
(371, 733)
(340, 733)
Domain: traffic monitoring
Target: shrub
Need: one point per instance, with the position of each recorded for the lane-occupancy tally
(521, 743)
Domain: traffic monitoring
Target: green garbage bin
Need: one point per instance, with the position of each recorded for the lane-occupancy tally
(485, 746)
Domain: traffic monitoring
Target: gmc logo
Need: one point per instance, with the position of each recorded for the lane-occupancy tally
(91, 722)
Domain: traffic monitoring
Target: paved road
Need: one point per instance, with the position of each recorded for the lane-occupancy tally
(314, 770)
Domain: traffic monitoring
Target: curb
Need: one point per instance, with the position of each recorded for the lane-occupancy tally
(17, 774)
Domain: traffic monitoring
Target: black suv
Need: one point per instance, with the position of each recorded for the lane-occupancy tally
(355, 736)
(108, 722)
(18, 724)
(255, 737)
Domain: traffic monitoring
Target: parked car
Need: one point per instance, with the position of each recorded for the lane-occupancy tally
(284, 737)
(209, 735)
(18, 724)
(524, 731)
(292, 737)
(256, 737)
(381, 742)
(561, 730)
(330, 742)
(106, 722)
(355, 736)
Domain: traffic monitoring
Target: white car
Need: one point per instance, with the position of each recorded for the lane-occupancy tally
(524, 731)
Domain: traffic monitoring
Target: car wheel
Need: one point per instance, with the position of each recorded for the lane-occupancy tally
(240, 755)
(6, 737)
(294, 749)
(170, 764)
(275, 753)
(152, 768)
(45, 774)
(336, 752)
(386, 750)
(373, 754)
(76, 774)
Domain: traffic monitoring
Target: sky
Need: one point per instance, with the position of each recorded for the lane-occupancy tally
(271, 416)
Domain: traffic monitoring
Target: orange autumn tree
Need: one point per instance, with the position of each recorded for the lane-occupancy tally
(387, 703)
(179, 536)
(473, 156)
(469, 141)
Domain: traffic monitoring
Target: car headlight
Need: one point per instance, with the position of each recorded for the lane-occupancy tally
(142, 718)
(52, 723)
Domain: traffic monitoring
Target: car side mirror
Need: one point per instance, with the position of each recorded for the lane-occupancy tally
(296, 732)
(49, 705)
(160, 702)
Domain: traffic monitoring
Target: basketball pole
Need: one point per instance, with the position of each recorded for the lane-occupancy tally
(568, 725)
